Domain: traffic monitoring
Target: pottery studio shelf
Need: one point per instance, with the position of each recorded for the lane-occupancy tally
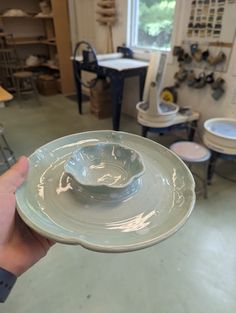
(30, 41)
(50, 66)
(30, 15)
(51, 31)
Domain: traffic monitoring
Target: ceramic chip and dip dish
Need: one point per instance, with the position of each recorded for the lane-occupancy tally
(106, 191)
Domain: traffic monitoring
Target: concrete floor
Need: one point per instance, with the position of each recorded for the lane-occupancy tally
(194, 271)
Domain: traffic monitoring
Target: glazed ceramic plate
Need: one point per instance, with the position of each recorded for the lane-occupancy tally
(52, 204)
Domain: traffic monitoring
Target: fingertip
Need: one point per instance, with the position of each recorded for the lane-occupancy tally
(22, 165)
(24, 160)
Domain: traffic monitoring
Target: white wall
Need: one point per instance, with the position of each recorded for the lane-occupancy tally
(199, 100)
(119, 30)
(82, 19)
(84, 26)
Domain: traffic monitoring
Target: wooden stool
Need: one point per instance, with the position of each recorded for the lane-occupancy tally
(6, 152)
(192, 152)
(25, 77)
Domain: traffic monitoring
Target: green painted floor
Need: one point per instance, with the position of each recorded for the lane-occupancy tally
(194, 271)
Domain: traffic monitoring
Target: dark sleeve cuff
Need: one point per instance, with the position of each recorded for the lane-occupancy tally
(7, 281)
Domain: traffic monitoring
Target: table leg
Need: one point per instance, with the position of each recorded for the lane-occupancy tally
(211, 167)
(77, 77)
(142, 77)
(145, 131)
(117, 86)
(191, 132)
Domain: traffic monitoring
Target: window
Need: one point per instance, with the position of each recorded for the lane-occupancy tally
(152, 23)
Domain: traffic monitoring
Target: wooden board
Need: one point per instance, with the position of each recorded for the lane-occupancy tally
(64, 49)
(4, 95)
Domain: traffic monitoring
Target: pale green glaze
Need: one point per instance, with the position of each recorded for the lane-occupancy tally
(105, 166)
(159, 203)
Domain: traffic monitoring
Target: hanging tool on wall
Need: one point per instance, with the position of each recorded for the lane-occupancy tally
(107, 16)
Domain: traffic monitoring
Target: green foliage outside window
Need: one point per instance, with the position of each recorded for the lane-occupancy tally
(155, 23)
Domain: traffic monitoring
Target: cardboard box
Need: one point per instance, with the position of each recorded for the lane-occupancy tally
(100, 99)
(47, 85)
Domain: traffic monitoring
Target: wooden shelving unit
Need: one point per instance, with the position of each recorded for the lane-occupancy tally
(50, 66)
(31, 15)
(55, 37)
(30, 41)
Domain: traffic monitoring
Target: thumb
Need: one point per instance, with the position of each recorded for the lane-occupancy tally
(15, 176)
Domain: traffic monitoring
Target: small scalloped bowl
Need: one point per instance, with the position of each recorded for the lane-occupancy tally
(107, 165)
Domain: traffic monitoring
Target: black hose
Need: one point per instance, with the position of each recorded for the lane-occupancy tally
(92, 83)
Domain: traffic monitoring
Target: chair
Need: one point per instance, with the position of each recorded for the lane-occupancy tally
(7, 67)
(13, 73)
(8, 156)
(25, 82)
(194, 153)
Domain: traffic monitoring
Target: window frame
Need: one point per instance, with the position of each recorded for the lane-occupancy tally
(132, 32)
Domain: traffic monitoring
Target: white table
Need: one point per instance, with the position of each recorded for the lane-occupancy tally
(116, 67)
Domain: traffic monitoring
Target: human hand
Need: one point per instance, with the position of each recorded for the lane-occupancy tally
(20, 247)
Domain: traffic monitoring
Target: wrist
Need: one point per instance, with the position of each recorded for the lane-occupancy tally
(10, 264)
(8, 267)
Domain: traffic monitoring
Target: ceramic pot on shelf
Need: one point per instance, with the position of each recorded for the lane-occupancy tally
(45, 7)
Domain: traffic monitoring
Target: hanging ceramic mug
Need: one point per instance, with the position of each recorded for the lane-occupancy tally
(193, 48)
(177, 50)
(218, 93)
(187, 58)
(197, 55)
(191, 78)
(219, 58)
(200, 82)
(210, 78)
(218, 83)
(45, 7)
(181, 75)
(205, 55)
